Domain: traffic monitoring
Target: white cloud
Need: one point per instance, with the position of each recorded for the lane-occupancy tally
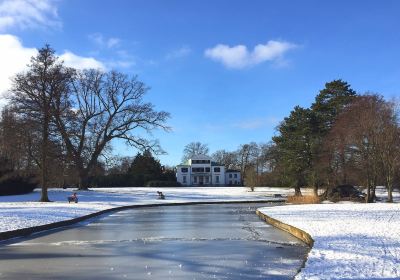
(239, 56)
(79, 62)
(28, 14)
(178, 53)
(14, 58)
(104, 42)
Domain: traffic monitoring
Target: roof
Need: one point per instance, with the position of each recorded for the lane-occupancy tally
(200, 157)
(232, 171)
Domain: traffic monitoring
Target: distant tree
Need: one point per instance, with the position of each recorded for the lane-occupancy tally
(194, 148)
(228, 159)
(146, 166)
(33, 92)
(118, 165)
(168, 174)
(247, 156)
(252, 178)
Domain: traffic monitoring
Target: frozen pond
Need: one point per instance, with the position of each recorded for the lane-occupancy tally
(226, 241)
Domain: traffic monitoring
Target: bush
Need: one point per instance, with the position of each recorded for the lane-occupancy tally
(17, 184)
(162, 184)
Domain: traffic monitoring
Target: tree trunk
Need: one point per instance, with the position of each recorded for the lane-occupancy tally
(45, 135)
(315, 189)
(297, 190)
(389, 184)
(390, 193)
(83, 179)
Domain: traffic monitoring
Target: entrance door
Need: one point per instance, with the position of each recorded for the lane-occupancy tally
(201, 180)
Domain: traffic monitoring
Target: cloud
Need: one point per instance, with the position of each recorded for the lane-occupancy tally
(79, 62)
(14, 58)
(104, 42)
(178, 53)
(28, 14)
(238, 57)
(256, 123)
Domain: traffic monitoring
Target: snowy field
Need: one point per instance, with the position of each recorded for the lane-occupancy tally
(21, 211)
(352, 240)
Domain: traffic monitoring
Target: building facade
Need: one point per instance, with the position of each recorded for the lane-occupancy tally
(232, 177)
(202, 171)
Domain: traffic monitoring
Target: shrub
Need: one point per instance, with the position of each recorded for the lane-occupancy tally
(304, 199)
(163, 184)
(17, 184)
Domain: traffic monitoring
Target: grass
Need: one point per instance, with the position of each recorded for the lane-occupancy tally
(304, 199)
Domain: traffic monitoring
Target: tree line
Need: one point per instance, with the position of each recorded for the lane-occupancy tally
(343, 138)
(141, 170)
(59, 122)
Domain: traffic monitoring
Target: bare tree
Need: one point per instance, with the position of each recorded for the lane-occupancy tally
(194, 148)
(365, 140)
(389, 145)
(248, 155)
(33, 92)
(102, 107)
(228, 159)
(252, 178)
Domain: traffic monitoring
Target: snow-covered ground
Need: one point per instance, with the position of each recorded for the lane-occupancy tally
(352, 240)
(23, 211)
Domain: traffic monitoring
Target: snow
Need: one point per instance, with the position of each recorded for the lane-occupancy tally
(21, 211)
(352, 240)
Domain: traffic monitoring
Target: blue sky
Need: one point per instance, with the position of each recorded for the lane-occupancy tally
(227, 71)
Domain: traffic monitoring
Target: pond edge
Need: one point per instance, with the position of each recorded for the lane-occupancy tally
(296, 232)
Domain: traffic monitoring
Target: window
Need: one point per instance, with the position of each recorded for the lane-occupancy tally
(184, 169)
(217, 179)
(235, 175)
(184, 179)
(217, 169)
(198, 169)
(207, 169)
(200, 161)
(230, 175)
(195, 179)
(230, 182)
(207, 180)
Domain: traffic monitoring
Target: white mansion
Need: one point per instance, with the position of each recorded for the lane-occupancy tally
(202, 171)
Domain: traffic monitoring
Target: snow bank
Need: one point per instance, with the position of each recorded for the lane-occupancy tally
(352, 241)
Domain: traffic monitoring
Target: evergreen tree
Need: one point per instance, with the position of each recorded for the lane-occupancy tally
(146, 166)
(294, 147)
(330, 102)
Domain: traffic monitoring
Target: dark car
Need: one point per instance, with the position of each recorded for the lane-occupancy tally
(345, 192)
